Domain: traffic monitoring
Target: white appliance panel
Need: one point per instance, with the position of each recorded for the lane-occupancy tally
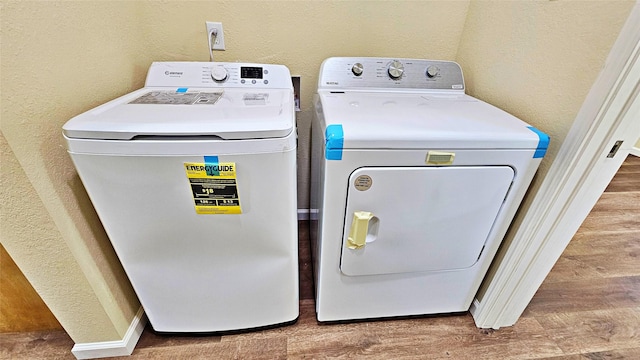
(424, 218)
(197, 273)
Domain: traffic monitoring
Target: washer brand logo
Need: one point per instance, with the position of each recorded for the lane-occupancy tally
(173, 73)
(332, 83)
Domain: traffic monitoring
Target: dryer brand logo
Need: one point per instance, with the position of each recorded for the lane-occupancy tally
(173, 73)
(332, 83)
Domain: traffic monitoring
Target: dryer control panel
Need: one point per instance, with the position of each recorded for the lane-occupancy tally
(348, 73)
(218, 75)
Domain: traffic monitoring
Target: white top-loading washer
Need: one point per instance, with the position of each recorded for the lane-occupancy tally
(194, 179)
(415, 183)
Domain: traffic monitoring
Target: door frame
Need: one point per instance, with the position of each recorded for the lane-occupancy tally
(576, 179)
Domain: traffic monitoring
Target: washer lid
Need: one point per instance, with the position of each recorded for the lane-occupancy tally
(391, 120)
(229, 114)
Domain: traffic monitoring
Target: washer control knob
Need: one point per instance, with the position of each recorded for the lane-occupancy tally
(357, 69)
(219, 73)
(395, 70)
(432, 71)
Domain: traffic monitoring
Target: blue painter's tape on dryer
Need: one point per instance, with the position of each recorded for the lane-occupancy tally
(334, 142)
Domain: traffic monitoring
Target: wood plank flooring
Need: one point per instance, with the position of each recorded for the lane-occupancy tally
(21, 308)
(587, 308)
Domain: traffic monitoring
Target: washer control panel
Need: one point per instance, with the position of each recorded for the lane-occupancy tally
(218, 75)
(344, 73)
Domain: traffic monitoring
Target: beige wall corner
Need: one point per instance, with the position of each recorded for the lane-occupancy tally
(32, 238)
(85, 57)
(537, 60)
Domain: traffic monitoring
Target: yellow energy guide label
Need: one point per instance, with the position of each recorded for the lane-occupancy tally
(214, 187)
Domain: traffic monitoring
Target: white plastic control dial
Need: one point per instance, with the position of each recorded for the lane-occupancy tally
(395, 69)
(357, 69)
(432, 71)
(219, 73)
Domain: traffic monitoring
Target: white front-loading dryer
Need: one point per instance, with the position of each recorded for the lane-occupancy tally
(415, 184)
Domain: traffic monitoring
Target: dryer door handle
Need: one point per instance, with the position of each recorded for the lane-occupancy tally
(359, 229)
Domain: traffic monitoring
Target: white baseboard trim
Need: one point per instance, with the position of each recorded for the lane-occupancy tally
(635, 151)
(307, 214)
(122, 347)
(474, 305)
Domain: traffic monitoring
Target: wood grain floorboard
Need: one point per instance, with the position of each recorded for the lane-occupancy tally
(593, 331)
(603, 243)
(304, 262)
(620, 220)
(449, 337)
(571, 268)
(259, 349)
(626, 179)
(585, 294)
(625, 263)
(614, 355)
(588, 308)
(627, 168)
(624, 354)
(21, 308)
(53, 344)
(629, 201)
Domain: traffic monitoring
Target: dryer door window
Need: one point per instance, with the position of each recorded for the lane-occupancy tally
(416, 219)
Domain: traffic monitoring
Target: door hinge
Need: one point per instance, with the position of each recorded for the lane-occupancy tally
(615, 148)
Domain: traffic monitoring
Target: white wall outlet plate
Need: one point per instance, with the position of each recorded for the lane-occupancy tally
(215, 34)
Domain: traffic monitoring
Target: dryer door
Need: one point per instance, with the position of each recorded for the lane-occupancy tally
(414, 219)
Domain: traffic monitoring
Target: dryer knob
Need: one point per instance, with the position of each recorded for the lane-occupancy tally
(432, 71)
(219, 73)
(357, 69)
(395, 69)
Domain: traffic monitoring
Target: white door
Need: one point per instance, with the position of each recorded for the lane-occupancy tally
(414, 219)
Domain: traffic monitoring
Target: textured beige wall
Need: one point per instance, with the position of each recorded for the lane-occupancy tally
(60, 58)
(32, 237)
(538, 60)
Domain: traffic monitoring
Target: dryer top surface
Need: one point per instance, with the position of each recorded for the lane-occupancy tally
(418, 120)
